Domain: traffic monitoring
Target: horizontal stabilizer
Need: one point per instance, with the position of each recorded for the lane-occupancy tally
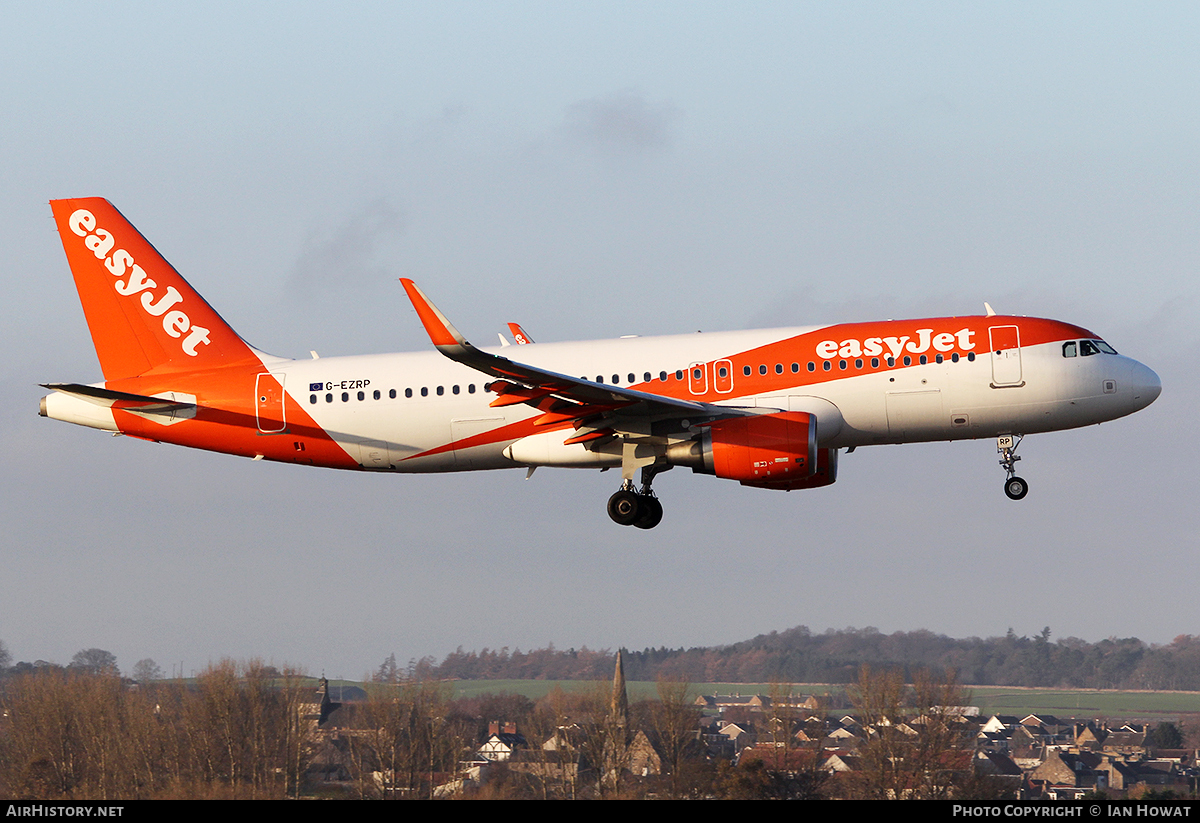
(118, 399)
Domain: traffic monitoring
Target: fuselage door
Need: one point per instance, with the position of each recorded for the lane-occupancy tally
(268, 403)
(723, 376)
(698, 378)
(1006, 355)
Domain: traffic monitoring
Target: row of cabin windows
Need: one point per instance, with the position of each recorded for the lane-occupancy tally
(378, 395)
(858, 363)
(632, 378)
(697, 374)
(441, 390)
(723, 371)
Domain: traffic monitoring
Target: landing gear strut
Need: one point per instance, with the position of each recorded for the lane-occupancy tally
(1015, 487)
(639, 508)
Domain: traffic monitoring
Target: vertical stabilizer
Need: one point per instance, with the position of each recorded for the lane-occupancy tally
(142, 314)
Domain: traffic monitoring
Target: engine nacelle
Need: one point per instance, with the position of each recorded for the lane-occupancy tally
(825, 475)
(764, 448)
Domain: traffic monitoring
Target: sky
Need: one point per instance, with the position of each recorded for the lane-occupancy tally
(594, 170)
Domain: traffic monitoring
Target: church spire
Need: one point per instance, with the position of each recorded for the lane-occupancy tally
(620, 699)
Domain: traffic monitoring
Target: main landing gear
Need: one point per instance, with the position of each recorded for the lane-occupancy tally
(640, 508)
(1015, 487)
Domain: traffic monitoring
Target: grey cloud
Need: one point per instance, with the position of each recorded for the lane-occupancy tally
(621, 122)
(348, 254)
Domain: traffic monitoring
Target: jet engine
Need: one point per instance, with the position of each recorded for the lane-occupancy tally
(771, 451)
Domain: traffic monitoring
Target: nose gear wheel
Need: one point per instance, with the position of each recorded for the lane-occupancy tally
(1015, 487)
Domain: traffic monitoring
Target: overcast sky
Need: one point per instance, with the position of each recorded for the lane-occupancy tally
(593, 170)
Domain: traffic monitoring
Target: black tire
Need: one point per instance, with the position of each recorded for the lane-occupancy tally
(1015, 488)
(625, 507)
(652, 513)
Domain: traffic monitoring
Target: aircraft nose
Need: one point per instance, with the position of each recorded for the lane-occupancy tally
(1145, 385)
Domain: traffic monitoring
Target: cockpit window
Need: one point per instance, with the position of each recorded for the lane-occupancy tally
(1086, 348)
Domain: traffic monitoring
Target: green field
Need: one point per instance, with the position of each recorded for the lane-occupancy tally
(1084, 702)
(990, 699)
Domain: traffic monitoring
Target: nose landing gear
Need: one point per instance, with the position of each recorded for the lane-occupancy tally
(1015, 487)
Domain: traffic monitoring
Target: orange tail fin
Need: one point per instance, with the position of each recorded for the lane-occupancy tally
(142, 314)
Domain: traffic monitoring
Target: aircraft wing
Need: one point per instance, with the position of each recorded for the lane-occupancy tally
(560, 397)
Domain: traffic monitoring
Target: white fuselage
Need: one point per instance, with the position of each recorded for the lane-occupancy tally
(438, 402)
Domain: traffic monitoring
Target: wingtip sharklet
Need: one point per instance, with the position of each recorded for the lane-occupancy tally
(441, 331)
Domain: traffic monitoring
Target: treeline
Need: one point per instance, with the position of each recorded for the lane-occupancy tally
(236, 731)
(239, 731)
(798, 655)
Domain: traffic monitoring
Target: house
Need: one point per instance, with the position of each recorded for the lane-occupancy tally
(501, 742)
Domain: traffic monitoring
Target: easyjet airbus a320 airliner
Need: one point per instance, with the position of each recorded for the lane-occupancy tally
(769, 408)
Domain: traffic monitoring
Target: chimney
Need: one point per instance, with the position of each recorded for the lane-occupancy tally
(493, 728)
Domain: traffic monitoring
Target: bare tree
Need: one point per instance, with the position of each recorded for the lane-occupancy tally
(675, 720)
(915, 748)
(411, 739)
(95, 661)
(146, 670)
